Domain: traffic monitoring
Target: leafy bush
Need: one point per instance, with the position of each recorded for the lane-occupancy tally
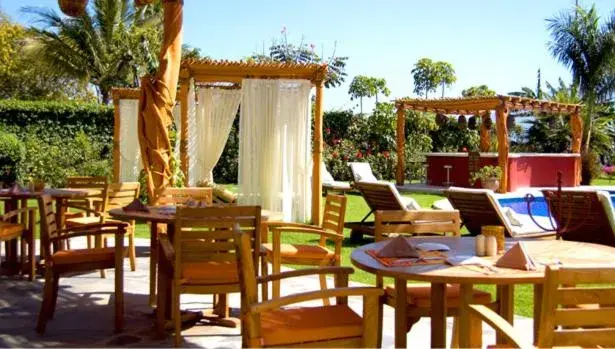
(227, 168)
(486, 172)
(55, 158)
(54, 118)
(590, 167)
(11, 154)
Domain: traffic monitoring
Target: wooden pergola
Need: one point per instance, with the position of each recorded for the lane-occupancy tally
(208, 72)
(482, 106)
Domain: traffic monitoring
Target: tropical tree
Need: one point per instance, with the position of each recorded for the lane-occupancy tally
(283, 51)
(24, 76)
(108, 46)
(588, 50)
(424, 75)
(475, 91)
(445, 74)
(366, 86)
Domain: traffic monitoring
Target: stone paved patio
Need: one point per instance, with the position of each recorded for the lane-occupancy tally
(84, 314)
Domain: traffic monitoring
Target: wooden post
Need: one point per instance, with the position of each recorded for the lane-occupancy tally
(317, 155)
(501, 114)
(183, 141)
(116, 138)
(401, 144)
(576, 124)
(485, 135)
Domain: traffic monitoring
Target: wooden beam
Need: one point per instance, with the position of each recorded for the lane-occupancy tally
(501, 114)
(576, 124)
(317, 155)
(183, 141)
(401, 143)
(116, 139)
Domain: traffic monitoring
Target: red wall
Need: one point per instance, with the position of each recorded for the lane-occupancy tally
(540, 172)
(526, 171)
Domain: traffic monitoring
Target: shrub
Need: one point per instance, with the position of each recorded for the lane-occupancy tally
(11, 154)
(590, 167)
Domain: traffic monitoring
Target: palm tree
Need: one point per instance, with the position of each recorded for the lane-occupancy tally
(588, 49)
(108, 46)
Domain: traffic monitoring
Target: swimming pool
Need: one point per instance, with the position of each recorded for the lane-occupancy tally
(538, 206)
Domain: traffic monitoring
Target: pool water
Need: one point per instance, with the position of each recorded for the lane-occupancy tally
(538, 205)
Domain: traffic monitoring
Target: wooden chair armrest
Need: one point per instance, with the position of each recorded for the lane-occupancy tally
(274, 224)
(86, 209)
(339, 271)
(310, 230)
(92, 229)
(15, 212)
(166, 247)
(316, 295)
(498, 323)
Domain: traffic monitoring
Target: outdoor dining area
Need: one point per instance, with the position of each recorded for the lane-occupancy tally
(156, 255)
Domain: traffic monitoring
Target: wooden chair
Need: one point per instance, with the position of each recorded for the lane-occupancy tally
(277, 253)
(120, 195)
(586, 216)
(179, 196)
(269, 324)
(12, 233)
(59, 261)
(418, 223)
(201, 259)
(577, 310)
(479, 207)
(89, 209)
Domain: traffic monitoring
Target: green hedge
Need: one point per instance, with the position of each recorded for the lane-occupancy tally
(64, 119)
(51, 140)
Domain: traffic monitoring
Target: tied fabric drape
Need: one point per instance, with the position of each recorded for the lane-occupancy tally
(130, 154)
(157, 100)
(274, 146)
(177, 121)
(214, 118)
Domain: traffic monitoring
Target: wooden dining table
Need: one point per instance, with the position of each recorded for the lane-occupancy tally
(165, 215)
(544, 252)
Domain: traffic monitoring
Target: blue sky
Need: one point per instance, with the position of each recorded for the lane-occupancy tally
(497, 43)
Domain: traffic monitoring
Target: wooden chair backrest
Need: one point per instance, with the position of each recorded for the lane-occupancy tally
(49, 228)
(379, 196)
(334, 213)
(561, 302)
(475, 210)
(416, 223)
(179, 196)
(121, 194)
(582, 216)
(91, 182)
(204, 234)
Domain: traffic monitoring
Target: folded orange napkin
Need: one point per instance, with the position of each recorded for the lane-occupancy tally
(398, 247)
(136, 206)
(516, 258)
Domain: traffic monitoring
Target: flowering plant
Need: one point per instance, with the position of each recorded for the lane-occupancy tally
(486, 172)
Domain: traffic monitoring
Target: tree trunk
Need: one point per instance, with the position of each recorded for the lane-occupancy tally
(376, 98)
(105, 95)
(361, 103)
(442, 90)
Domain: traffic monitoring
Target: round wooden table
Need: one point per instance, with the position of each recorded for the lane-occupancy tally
(543, 252)
(164, 215)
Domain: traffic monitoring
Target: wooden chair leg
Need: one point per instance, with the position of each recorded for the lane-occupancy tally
(161, 308)
(275, 285)
(98, 243)
(119, 293)
(54, 296)
(31, 254)
(132, 253)
(264, 285)
(455, 337)
(43, 314)
(177, 321)
(221, 306)
(410, 322)
(323, 286)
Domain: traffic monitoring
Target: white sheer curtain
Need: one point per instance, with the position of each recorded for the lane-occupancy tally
(214, 118)
(130, 152)
(192, 144)
(274, 146)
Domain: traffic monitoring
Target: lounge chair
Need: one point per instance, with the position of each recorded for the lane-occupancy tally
(480, 207)
(330, 184)
(362, 172)
(380, 196)
(584, 215)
